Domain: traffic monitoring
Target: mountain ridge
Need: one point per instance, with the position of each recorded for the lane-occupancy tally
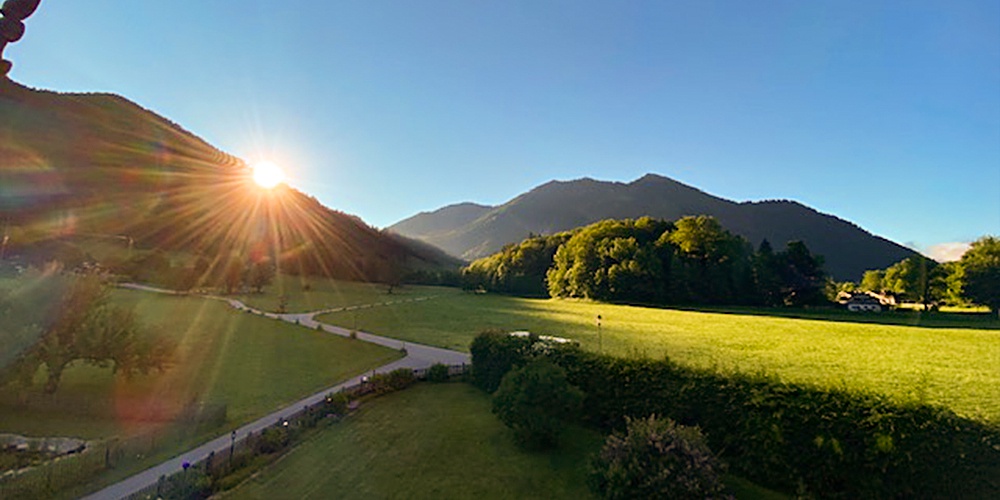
(98, 163)
(560, 205)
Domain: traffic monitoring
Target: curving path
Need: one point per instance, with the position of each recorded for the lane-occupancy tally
(417, 356)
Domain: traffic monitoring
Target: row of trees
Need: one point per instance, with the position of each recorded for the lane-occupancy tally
(975, 279)
(692, 260)
(228, 273)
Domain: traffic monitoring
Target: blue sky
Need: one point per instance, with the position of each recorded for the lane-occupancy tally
(886, 114)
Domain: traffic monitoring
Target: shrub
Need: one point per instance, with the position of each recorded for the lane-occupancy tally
(656, 458)
(438, 373)
(535, 401)
(494, 353)
(272, 440)
(398, 379)
(337, 403)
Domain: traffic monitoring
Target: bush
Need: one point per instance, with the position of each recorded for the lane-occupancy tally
(438, 373)
(791, 437)
(657, 458)
(337, 403)
(272, 440)
(494, 353)
(398, 379)
(535, 401)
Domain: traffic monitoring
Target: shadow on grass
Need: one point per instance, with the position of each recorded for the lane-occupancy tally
(923, 319)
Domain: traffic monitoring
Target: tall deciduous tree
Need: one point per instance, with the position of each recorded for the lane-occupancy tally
(915, 278)
(872, 280)
(802, 275)
(981, 266)
(767, 276)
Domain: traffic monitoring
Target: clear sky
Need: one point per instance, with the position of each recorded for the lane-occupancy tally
(886, 114)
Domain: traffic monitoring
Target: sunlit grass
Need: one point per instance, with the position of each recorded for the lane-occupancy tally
(950, 365)
(250, 364)
(309, 293)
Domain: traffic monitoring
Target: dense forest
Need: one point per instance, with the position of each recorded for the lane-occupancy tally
(645, 260)
(695, 261)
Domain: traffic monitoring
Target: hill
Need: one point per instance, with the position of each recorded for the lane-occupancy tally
(559, 206)
(100, 165)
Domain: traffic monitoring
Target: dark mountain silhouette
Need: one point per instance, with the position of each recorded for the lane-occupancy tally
(98, 164)
(560, 206)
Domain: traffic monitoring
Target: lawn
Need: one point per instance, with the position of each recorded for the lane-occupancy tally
(951, 362)
(309, 293)
(431, 441)
(248, 363)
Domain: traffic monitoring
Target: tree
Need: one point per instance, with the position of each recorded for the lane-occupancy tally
(915, 278)
(260, 274)
(88, 328)
(802, 275)
(657, 458)
(611, 260)
(981, 266)
(535, 401)
(232, 275)
(767, 279)
(713, 264)
(517, 269)
(872, 281)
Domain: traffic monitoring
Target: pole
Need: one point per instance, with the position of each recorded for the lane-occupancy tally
(600, 338)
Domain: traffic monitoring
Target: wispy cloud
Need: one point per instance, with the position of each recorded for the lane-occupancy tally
(946, 252)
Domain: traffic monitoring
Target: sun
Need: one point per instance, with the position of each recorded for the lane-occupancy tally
(267, 175)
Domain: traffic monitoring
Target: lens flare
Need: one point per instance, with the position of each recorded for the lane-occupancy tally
(267, 175)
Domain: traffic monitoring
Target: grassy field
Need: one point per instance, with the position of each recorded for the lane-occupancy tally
(431, 441)
(248, 363)
(951, 360)
(305, 294)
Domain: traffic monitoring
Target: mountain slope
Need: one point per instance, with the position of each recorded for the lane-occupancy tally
(98, 164)
(560, 206)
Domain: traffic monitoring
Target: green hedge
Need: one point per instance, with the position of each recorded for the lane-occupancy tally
(790, 437)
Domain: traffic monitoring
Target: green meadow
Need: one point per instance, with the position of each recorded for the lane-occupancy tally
(433, 441)
(248, 364)
(947, 359)
(308, 293)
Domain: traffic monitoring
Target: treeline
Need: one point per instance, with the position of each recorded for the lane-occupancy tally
(692, 260)
(229, 274)
(975, 279)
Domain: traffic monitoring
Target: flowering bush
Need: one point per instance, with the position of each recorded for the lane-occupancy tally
(656, 458)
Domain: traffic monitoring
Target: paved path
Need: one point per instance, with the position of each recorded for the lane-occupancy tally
(417, 356)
